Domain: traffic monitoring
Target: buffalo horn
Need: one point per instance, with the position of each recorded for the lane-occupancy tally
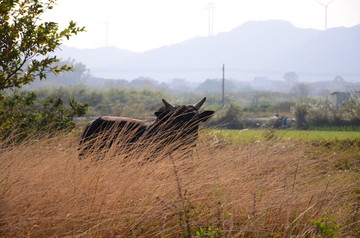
(199, 104)
(167, 105)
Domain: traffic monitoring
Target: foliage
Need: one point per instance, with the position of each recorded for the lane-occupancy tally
(115, 101)
(353, 106)
(22, 115)
(79, 75)
(306, 114)
(301, 90)
(324, 114)
(325, 227)
(215, 85)
(300, 112)
(260, 108)
(319, 114)
(209, 232)
(265, 98)
(26, 41)
(291, 77)
(230, 118)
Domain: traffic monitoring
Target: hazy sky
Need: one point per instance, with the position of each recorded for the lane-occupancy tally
(140, 25)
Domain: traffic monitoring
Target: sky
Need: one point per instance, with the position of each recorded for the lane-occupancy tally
(142, 25)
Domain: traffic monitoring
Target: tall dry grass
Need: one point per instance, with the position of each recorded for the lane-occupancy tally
(268, 189)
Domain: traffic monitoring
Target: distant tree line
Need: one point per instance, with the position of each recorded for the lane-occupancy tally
(290, 84)
(242, 110)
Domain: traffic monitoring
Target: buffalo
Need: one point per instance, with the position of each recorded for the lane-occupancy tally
(174, 125)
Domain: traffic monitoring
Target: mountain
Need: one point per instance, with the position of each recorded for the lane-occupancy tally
(261, 48)
(104, 57)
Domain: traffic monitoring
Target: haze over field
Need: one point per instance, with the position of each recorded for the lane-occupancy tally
(142, 25)
(191, 40)
(266, 49)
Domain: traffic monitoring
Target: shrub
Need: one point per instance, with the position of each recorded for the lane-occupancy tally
(300, 112)
(353, 107)
(22, 115)
(325, 227)
(318, 115)
(231, 118)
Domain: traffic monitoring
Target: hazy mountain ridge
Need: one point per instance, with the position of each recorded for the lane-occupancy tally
(266, 48)
(95, 58)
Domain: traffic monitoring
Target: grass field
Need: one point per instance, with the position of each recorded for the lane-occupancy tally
(249, 136)
(273, 188)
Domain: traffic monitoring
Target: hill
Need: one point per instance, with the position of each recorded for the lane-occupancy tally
(263, 48)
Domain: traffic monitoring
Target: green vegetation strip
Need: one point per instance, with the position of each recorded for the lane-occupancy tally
(248, 136)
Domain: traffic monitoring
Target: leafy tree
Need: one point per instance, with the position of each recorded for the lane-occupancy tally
(301, 90)
(215, 85)
(25, 42)
(79, 75)
(231, 118)
(291, 77)
(300, 112)
(339, 79)
(353, 107)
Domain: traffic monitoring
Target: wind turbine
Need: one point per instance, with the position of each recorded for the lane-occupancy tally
(210, 7)
(326, 8)
(106, 33)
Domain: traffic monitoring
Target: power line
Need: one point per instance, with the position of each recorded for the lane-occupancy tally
(223, 86)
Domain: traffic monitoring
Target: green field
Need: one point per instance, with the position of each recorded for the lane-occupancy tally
(249, 136)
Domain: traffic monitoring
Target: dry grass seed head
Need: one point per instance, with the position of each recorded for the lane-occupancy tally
(259, 188)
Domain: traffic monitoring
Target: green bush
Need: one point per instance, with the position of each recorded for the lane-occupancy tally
(230, 118)
(325, 227)
(300, 112)
(115, 101)
(22, 115)
(325, 114)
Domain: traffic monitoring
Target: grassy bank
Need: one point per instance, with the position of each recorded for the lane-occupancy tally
(276, 188)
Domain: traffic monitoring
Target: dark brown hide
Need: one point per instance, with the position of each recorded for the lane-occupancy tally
(172, 124)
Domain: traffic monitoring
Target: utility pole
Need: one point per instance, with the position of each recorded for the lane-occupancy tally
(223, 86)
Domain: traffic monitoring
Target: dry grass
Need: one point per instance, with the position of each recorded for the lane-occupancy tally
(267, 189)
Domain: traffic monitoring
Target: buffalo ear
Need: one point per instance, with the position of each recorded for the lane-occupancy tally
(160, 112)
(205, 115)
